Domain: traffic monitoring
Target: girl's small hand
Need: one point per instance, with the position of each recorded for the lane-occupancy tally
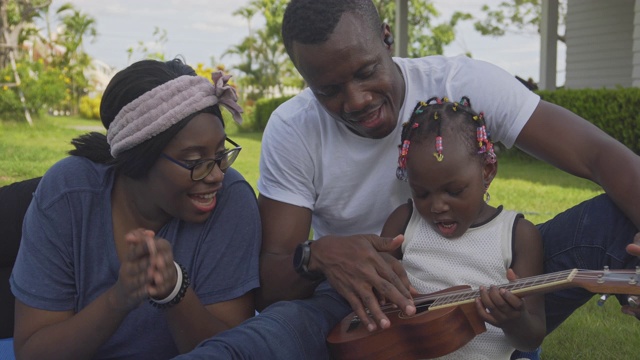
(499, 307)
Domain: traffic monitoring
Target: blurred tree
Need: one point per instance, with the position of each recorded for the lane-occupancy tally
(265, 66)
(17, 15)
(75, 27)
(153, 50)
(426, 36)
(517, 16)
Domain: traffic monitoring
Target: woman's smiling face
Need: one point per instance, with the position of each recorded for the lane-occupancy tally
(171, 186)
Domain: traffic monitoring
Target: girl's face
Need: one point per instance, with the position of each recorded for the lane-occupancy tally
(449, 194)
(170, 185)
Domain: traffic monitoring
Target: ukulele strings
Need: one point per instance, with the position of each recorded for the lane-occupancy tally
(427, 300)
(468, 294)
(542, 279)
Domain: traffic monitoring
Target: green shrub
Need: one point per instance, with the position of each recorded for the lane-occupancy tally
(43, 88)
(10, 105)
(615, 111)
(263, 110)
(248, 119)
(90, 107)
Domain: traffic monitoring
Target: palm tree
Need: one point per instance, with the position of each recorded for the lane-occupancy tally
(16, 22)
(264, 62)
(75, 27)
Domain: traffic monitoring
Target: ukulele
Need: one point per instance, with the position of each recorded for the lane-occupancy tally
(446, 320)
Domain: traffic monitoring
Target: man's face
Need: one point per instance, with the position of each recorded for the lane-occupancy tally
(354, 78)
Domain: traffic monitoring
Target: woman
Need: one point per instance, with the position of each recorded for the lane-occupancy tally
(144, 242)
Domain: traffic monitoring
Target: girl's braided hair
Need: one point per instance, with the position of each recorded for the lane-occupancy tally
(428, 117)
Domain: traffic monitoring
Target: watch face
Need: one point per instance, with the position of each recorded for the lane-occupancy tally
(298, 258)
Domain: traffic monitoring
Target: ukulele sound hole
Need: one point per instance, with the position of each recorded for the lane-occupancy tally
(420, 308)
(354, 324)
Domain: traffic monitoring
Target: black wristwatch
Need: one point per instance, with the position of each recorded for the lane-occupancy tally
(301, 259)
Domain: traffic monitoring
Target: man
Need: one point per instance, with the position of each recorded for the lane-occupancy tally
(329, 157)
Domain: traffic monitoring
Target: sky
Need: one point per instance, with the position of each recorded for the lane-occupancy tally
(200, 30)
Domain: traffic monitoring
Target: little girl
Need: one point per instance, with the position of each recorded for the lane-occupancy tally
(454, 237)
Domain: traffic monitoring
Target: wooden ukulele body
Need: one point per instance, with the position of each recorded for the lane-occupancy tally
(447, 320)
(426, 335)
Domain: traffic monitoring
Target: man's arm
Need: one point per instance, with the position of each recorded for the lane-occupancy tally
(284, 226)
(352, 264)
(567, 141)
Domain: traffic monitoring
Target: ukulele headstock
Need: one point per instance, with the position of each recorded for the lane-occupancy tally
(608, 281)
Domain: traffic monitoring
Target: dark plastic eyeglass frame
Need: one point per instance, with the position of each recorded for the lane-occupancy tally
(217, 160)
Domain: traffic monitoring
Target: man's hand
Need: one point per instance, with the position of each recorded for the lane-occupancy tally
(359, 268)
(634, 247)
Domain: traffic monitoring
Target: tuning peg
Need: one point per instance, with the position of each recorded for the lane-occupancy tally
(633, 301)
(602, 299)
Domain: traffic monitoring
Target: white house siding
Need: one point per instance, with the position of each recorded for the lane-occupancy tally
(600, 43)
(636, 45)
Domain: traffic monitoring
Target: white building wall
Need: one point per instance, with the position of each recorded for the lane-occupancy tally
(635, 75)
(600, 43)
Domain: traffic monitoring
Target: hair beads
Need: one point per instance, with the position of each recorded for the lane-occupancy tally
(484, 143)
(442, 110)
(438, 153)
(401, 171)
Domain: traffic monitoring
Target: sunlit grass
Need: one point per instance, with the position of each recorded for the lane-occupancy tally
(536, 189)
(531, 187)
(28, 151)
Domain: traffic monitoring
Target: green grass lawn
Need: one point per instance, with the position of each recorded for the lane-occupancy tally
(27, 152)
(533, 188)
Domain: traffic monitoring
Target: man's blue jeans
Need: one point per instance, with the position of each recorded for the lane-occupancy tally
(293, 330)
(591, 236)
(588, 236)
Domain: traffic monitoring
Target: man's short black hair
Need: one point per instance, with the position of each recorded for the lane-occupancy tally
(313, 21)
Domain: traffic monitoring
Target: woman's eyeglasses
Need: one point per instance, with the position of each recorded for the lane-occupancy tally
(203, 167)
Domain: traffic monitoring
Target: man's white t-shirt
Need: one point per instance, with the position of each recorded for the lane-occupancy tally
(310, 159)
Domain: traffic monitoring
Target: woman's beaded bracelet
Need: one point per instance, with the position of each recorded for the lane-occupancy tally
(179, 291)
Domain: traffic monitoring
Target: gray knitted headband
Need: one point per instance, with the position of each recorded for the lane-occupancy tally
(163, 106)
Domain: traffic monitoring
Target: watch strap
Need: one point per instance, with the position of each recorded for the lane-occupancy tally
(301, 261)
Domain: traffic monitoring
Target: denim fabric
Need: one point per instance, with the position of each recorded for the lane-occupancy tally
(6, 349)
(592, 235)
(285, 330)
(529, 355)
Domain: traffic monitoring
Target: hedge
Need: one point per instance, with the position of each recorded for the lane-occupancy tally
(263, 110)
(615, 111)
